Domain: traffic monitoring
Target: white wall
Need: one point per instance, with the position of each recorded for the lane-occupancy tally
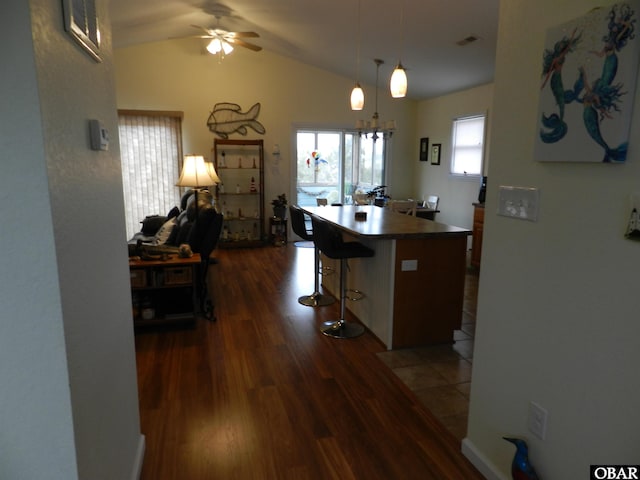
(35, 409)
(177, 75)
(435, 118)
(557, 315)
(69, 406)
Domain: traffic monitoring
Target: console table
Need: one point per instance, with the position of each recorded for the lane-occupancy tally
(413, 285)
(164, 291)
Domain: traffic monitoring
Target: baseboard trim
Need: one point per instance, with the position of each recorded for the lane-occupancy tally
(482, 463)
(139, 459)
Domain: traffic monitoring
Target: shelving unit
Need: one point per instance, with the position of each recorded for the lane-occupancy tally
(240, 195)
(164, 291)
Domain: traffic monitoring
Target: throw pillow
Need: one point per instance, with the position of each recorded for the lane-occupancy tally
(152, 223)
(164, 232)
(174, 212)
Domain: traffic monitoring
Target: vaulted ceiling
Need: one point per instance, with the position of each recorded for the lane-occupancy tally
(426, 35)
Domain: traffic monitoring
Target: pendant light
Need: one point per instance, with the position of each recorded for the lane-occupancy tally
(357, 94)
(398, 84)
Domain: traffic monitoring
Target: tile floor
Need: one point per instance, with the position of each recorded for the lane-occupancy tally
(440, 375)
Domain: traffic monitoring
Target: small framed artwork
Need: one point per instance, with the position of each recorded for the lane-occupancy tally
(81, 21)
(435, 153)
(424, 149)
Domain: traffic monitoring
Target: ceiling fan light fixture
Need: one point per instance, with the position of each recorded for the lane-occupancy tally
(214, 46)
(227, 48)
(398, 84)
(217, 45)
(357, 97)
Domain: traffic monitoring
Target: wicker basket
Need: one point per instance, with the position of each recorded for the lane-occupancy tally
(138, 277)
(178, 276)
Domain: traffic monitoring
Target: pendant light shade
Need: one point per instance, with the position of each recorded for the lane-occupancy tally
(357, 97)
(398, 84)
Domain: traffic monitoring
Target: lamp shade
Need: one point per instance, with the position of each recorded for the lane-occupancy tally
(357, 97)
(194, 173)
(212, 172)
(398, 84)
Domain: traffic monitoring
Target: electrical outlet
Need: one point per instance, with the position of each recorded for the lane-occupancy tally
(409, 265)
(537, 422)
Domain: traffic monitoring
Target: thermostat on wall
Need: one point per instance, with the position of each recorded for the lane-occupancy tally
(99, 135)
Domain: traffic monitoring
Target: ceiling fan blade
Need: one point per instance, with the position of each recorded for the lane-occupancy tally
(243, 34)
(191, 36)
(208, 31)
(242, 43)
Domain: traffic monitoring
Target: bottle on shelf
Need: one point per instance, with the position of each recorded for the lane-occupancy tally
(252, 185)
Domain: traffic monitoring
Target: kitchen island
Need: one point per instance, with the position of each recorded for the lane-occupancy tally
(414, 285)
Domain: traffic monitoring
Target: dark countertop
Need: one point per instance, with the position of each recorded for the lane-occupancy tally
(383, 223)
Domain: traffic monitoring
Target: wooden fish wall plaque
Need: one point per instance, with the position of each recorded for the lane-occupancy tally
(227, 118)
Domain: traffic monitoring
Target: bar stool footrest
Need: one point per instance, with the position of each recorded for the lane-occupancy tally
(355, 294)
(342, 329)
(316, 299)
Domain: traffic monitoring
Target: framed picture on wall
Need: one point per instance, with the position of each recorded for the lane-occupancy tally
(435, 153)
(81, 21)
(424, 149)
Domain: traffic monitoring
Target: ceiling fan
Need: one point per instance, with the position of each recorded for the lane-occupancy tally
(223, 41)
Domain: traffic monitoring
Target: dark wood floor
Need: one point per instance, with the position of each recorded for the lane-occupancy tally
(261, 394)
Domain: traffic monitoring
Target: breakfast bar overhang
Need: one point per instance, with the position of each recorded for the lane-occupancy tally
(414, 285)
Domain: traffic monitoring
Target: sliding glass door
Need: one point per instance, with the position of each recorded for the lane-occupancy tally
(334, 164)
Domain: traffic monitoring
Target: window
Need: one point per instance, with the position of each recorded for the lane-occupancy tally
(333, 164)
(151, 157)
(468, 145)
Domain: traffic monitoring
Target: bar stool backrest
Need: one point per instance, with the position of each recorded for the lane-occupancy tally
(298, 224)
(327, 238)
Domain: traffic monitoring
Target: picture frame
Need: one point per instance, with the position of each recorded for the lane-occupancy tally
(81, 22)
(424, 149)
(435, 153)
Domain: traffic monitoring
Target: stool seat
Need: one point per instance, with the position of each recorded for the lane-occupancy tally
(330, 242)
(299, 227)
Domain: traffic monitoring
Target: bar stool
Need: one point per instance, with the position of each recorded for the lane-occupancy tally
(329, 241)
(316, 299)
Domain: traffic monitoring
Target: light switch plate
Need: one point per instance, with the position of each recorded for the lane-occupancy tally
(518, 202)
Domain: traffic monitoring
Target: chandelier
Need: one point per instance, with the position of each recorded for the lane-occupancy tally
(375, 127)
